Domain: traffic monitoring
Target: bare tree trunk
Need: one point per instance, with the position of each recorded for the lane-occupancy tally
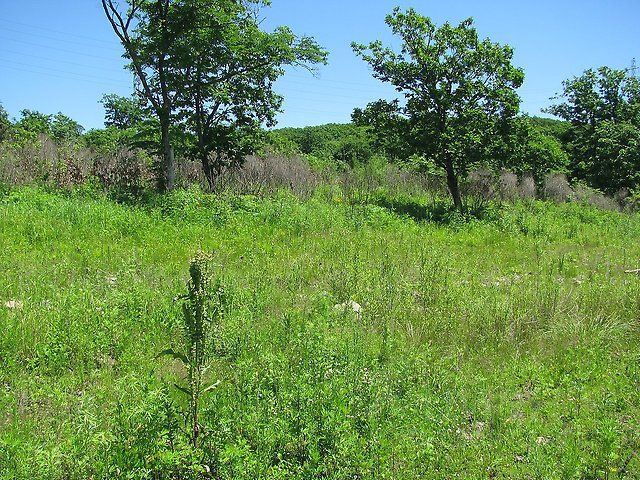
(168, 175)
(161, 102)
(454, 186)
(211, 172)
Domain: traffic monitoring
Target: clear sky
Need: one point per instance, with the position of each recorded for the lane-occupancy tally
(62, 56)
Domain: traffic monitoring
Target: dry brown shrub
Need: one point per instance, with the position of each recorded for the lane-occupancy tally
(480, 184)
(126, 169)
(589, 196)
(556, 188)
(508, 186)
(44, 163)
(527, 187)
(264, 175)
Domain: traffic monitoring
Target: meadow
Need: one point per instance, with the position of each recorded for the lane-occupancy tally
(496, 348)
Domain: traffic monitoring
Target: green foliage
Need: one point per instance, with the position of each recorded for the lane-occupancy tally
(31, 125)
(558, 129)
(231, 65)
(504, 346)
(615, 164)
(207, 69)
(386, 127)
(354, 150)
(64, 130)
(531, 146)
(123, 112)
(603, 107)
(457, 90)
(108, 140)
(345, 144)
(5, 124)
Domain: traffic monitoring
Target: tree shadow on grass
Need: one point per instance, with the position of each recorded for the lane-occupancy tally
(438, 211)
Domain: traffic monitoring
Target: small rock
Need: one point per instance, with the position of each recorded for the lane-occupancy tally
(542, 440)
(14, 304)
(350, 305)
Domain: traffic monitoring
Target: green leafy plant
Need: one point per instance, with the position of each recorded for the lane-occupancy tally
(457, 89)
(202, 311)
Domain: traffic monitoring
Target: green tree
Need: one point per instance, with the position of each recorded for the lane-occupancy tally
(387, 129)
(31, 125)
(456, 89)
(603, 107)
(347, 144)
(5, 124)
(148, 32)
(528, 146)
(207, 65)
(65, 130)
(232, 66)
(129, 123)
(123, 112)
(615, 163)
(108, 141)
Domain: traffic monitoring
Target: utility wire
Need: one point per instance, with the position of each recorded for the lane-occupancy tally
(49, 59)
(56, 70)
(84, 37)
(55, 39)
(60, 76)
(39, 45)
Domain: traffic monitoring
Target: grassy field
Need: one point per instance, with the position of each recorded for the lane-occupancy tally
(502, 348)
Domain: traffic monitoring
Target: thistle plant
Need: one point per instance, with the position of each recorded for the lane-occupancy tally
(202, 311)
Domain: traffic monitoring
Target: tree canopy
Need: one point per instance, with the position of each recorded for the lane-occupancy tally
(456, 88)
(208, 66)
(603, 107)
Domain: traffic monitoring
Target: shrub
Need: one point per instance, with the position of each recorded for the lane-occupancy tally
(556, 188)
(123, 172)
(481, 184)
(508, 186)
(527, 187)
(590, 196)
(127, 173)
(265, 175)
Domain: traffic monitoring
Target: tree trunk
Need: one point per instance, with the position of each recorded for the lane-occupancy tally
(454, 187)
(211, 173)
(168, 180)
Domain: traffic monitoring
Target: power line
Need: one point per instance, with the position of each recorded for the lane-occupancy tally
(39, 57)
(55, 75)
(57, 49)
(84, 37)
(47, 37)
(285, 81)
(56, 70)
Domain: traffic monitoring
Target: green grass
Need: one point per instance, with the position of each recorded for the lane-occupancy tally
(503, 348)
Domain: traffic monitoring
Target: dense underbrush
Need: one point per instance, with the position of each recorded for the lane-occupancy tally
(501, 346)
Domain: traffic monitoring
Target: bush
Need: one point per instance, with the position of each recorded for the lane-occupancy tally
(265, 175)
(125, 173)
(527, 187)
(480, 184)
(508, 186)
(556, 188)
(590, 196)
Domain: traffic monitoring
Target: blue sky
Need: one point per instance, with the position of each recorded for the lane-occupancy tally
(62, 56)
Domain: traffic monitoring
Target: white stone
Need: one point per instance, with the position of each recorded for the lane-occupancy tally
(14, 304)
